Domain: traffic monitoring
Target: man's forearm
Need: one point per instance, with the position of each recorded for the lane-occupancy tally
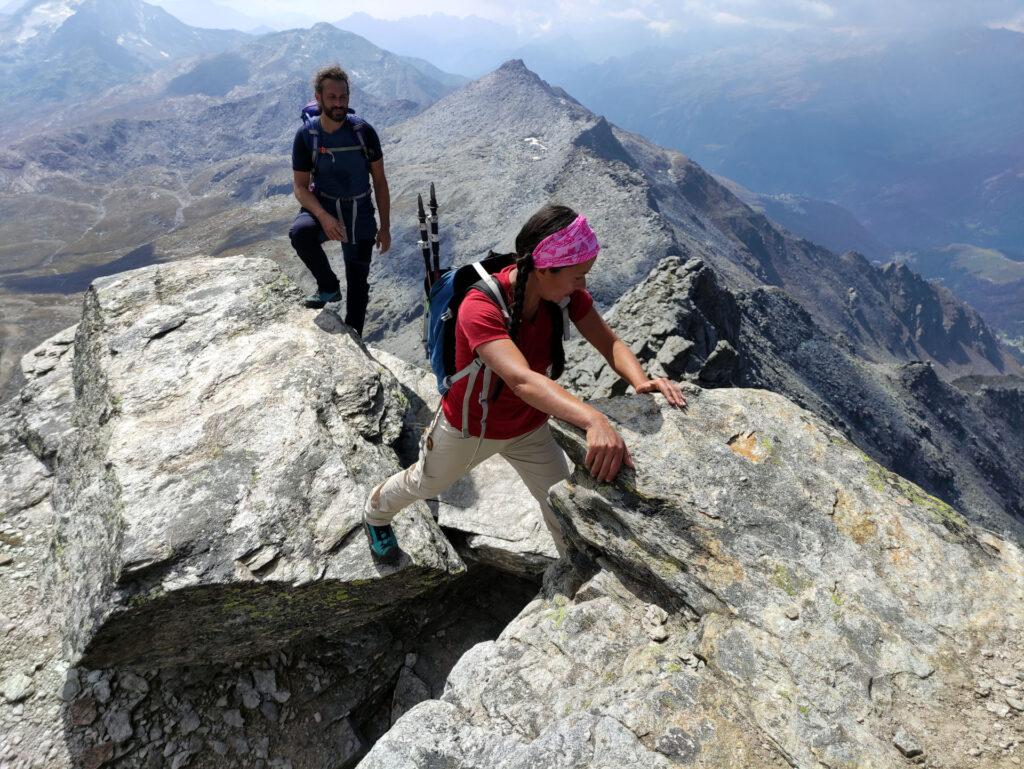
(382, 195)
(309, 201)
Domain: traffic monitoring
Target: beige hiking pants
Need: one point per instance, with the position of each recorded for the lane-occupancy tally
(445, 456)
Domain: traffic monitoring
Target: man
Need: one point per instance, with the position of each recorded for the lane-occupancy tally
(339, 208)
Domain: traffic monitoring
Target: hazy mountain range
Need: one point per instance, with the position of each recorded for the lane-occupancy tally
(905, 146)
(57, 54)
(153, 175)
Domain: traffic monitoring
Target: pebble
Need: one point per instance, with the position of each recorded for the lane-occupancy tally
(119, 725)
(998, 708)
(793, 613)
(233, 718)
(133, 683)
(71, 687)
(189, 722)
(906, 744)
(266, 681)
(270, 712)
(101, 690)
(410, 660)
(6, 559)
(1007, 682)
(1015, 703)
(17, 687)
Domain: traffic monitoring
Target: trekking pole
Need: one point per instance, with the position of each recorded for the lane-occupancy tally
(423, 243)
(435, 243)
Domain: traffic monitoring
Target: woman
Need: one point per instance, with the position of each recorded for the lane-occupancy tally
(555, 250)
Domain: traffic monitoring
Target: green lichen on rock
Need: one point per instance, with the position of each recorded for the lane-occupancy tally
(882, 480)
(789, 582)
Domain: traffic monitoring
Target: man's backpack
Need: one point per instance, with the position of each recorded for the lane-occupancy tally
(443, 302)
(311, 121)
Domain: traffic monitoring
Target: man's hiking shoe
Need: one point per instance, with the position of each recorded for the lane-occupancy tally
(383, 544)
(316, 301)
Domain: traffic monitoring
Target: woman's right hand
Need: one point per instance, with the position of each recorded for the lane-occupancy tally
(606, 451)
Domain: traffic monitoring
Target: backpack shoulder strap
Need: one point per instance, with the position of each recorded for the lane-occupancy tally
(312, 134)
(564, 307)
(359, 128)
(489, 286)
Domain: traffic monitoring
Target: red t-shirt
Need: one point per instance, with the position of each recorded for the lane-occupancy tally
(480, 321)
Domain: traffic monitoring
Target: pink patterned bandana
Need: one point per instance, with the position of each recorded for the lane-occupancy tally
(575, 244)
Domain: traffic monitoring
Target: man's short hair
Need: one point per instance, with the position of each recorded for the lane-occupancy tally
(333, 72)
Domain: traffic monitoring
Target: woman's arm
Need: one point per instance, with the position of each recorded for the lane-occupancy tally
(606, 451)
(623, 361)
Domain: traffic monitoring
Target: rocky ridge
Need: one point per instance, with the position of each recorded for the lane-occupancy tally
(957, 444)
(759, 591)
(184, 629)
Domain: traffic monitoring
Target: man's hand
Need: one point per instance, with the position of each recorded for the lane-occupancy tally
(667, 388)
(383, 239)
(606, 451)
(333, 229)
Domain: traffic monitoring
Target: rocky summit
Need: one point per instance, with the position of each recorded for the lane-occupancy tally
(184, 582)
(758, 593)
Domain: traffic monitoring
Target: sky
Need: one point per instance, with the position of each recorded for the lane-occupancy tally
(668, 16)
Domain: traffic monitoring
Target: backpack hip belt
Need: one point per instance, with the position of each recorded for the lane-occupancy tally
(337, 207)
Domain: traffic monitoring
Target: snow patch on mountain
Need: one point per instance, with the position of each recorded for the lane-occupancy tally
(46, 16)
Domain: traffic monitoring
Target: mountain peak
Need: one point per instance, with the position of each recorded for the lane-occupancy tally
(515, 65)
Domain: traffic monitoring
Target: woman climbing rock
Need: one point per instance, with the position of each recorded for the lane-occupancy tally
(518, 339)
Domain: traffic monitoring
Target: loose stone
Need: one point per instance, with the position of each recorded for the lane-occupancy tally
(906, 744)
(17, 687)
(233, 718)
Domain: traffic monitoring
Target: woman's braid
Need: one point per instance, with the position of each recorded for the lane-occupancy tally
(524, 266)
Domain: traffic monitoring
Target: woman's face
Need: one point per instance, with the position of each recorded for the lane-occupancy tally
(555, 284)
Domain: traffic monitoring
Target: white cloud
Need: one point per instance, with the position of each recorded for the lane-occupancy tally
(662, 28)
(1015, 24)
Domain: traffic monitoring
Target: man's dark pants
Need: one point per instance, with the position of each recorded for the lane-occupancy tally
(307, 238)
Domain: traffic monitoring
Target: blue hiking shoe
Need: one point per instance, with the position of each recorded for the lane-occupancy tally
(316, 301)
(383, 544)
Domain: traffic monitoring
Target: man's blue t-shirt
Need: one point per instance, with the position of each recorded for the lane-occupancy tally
(342, 170)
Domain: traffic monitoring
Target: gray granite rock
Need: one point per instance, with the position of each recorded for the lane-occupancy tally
(210, 501)
(741, 507)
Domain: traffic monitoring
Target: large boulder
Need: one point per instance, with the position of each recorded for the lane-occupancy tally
(210, 497)
(757, 593)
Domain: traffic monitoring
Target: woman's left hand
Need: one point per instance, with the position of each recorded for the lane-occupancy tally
(666, 387)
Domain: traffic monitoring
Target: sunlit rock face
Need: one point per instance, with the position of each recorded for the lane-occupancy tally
(757, 593)
(210, 498)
